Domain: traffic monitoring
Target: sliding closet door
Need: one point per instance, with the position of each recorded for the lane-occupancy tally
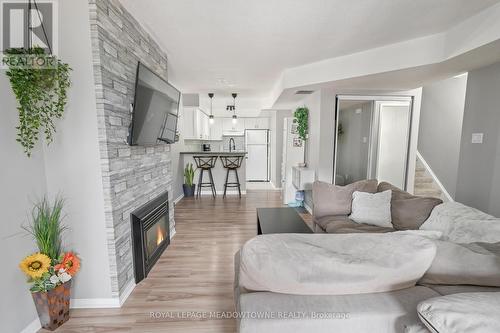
(393, 140)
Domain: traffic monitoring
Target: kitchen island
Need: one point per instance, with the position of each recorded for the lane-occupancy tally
(218, 172)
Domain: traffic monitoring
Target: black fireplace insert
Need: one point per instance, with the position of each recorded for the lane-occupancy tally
(150, 234)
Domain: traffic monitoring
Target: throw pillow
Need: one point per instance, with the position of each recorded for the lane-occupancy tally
(408, 211)
(331, 199)
(372, 208)
(466, 312)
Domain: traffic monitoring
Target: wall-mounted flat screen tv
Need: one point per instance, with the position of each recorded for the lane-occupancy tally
(155, 111)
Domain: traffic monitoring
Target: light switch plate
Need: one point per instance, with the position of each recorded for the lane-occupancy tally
(477, 137)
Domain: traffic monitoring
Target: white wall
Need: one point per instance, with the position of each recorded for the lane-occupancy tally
(22, 181)
(441, 128)
(72, 161)
(478, 181)
(69, 166)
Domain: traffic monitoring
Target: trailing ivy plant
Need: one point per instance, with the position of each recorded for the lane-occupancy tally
(40, 83)
(302, 118)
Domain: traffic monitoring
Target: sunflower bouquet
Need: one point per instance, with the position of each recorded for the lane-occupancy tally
(50, 267)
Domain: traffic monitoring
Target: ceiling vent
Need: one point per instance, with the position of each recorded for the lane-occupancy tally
(304, 92)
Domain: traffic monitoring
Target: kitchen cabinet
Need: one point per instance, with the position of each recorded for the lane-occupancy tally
(196, 125)
(228, 126)
(256, 123)
(216, 129)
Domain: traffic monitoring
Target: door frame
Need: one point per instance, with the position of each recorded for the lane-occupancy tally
(374, 99)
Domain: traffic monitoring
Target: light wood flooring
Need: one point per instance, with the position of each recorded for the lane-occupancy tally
(194, 274)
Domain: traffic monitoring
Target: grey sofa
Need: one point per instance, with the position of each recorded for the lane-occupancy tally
(332, 206)
(386, 312)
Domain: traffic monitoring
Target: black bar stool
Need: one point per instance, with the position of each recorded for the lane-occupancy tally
(232, 163)
(205, 163)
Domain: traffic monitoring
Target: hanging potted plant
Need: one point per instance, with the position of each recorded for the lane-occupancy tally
(188, 185)
(301, 118)
(40, 82)
(50, 270)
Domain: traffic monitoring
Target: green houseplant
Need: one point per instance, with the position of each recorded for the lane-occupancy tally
(50, 270)
(301, 118)
(188, 185)
(40, 83)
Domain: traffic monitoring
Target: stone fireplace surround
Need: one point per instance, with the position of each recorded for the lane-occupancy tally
(132, 176)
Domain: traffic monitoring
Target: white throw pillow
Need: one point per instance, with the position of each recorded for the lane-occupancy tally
(467, 312)
(372, 208)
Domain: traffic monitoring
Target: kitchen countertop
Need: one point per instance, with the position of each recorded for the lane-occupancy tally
(214, 152)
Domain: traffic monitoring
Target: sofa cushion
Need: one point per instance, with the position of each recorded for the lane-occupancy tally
(408, 211)
(341, 224)
(337, 200)
(467, 312)
(372, 208)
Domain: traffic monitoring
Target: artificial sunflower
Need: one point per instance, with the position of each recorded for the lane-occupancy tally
(70, 264)
(35, 265)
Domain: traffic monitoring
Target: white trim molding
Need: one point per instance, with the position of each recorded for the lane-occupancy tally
(94, 303)
(308, 208)
(33, 327)
(435, 178)
(179, 198)
(97, 303)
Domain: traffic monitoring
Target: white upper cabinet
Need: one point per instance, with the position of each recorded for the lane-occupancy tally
(256, 123)
(216, 129)
(189, 123)
(228, 126)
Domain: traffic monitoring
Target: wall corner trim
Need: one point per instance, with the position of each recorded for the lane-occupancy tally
(435, 178)
(33, 327)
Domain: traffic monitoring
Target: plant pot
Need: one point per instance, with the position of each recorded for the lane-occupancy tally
(188, 190)
(53, 306)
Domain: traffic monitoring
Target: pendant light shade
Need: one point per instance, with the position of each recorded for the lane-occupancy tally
(211, 119)
(235, 118)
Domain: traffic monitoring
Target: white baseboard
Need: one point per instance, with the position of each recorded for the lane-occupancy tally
(97, 303)
(94, 303)
(33, 327)
(435, 178)
(179, 198)
(221, 192)
(274, 186)
(306, 206)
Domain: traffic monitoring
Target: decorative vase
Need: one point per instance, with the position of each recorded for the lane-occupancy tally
(188, 190)
(53, 306)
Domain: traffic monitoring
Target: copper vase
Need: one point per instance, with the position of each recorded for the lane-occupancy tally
(53, 306)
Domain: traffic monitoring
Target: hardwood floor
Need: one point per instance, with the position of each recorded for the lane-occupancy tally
(194, 275)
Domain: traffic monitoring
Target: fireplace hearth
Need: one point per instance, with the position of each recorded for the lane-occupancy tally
(150, 234)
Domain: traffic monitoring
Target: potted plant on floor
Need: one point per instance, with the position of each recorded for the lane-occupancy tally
(50, 270)
(188, 185)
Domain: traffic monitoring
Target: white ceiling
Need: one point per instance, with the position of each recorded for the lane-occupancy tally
(244, 45)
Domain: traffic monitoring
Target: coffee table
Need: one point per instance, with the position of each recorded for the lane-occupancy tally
(280, 220)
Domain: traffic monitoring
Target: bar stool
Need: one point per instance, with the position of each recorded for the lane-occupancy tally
(205, 163)
(232, 163)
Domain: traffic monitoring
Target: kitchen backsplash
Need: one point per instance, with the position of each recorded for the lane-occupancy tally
(239, 142)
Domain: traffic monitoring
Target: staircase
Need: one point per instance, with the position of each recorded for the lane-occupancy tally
(424, 183)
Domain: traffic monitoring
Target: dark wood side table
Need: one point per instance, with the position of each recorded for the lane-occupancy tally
(279, 221)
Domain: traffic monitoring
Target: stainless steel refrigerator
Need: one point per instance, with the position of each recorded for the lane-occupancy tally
(257, 146)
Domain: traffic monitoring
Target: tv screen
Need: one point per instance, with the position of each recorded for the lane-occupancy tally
(156, 107)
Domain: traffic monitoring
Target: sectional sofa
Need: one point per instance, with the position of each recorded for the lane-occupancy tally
(435, 304)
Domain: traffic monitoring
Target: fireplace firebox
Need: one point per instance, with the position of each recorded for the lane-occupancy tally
(150, 234)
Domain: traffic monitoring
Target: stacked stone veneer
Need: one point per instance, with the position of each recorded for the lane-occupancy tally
(131, 175)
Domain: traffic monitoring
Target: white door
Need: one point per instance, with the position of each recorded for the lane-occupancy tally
(392, 150)
(257, 158)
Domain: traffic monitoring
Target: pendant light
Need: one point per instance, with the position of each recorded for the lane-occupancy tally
(211, 119)
(235, 118)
